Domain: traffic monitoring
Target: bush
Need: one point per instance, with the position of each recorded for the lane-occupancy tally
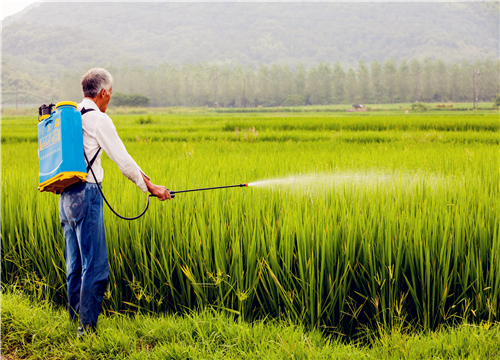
(148, 120)
(294, 100)
(496, 102)
(137, 100)
(419, 107)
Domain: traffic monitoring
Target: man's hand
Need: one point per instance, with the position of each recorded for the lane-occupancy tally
(159, 191)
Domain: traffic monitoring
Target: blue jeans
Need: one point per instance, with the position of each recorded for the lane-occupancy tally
(87, 269)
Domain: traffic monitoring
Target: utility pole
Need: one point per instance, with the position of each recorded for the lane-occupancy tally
(416, 86)
(16, 98)
(186, 95)
(475, 75)
(215, 78)
(244, 86)
(473, 90)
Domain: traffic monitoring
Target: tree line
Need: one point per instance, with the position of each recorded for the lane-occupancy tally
(200, 84)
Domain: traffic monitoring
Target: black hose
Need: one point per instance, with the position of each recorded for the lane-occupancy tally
(172, 194)
(107, 203)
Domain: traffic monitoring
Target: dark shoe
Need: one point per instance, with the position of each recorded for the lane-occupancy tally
(85, 330)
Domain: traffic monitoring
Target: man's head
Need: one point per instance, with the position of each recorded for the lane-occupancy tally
(97, 84)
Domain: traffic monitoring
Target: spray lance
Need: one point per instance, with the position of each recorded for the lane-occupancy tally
(172, 195)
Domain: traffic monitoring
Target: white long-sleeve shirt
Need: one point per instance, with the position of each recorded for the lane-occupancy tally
(99, 131)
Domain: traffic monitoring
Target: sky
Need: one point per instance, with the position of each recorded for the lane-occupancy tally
(10, 7)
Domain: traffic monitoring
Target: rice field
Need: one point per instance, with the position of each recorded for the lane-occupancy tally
(352, 223)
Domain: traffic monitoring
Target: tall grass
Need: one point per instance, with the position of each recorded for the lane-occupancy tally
(418, 245)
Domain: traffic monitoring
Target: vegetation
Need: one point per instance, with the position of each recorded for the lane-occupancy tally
(419, 107)
(497, 100)
(277, 85)
(247, 33)
(328, 53)
(137, 100)
(390, 224)
(281, 125)
(31, 329)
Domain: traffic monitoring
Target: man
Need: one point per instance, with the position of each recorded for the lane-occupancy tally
(80, 205)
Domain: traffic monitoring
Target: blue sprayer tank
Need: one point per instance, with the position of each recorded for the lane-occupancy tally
(60, 148)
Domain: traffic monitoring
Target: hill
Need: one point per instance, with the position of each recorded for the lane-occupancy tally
(47, 40)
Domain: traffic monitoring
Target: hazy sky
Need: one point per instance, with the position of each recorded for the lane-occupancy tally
(10, 7)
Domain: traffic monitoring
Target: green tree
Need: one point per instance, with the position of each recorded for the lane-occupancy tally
(324, 83)
(390, 75)
(239, 84)
(250, 87)
(465, 83)
(168, 85)
(287, 83)
(200, 86)
(415, 69)
(489, 84)
(300, 75)
(312, 88)
(262, 82)
(134, 100)
(404, 80)
(453, 85)
(441, 78)
(276, 96)
(496, 101)
(226, 87)
(376, 76)
(338, 79)
(428, 93)
(363, 82)
(351, 85)
(294, 100)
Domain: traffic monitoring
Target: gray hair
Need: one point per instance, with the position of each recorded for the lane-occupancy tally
(94, 81)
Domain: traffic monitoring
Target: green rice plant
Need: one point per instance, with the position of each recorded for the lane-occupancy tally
(395, 232)
(367, 127)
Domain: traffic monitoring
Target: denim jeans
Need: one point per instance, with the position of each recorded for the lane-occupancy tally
(87, 269)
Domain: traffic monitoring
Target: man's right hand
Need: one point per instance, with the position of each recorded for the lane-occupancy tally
(161, 192)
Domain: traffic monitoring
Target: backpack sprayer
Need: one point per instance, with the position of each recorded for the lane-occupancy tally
(62, 159)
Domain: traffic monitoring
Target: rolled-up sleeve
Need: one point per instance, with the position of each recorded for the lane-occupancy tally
(108, 139)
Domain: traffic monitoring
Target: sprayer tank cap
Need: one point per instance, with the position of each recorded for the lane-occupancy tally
(62, 103)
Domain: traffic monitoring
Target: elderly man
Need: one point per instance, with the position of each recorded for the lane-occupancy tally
(80, 205)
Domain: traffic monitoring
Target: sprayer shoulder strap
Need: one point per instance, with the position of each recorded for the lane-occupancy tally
(93, 159)
(84, 111)
(91, 162)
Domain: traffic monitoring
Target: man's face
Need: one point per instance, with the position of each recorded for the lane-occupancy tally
(104, 97)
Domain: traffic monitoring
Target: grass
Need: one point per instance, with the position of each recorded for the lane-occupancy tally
(366, 127)
(404, 230)
(411, 246)
(37, 330)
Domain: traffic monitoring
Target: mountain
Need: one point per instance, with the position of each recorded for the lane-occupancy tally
(46, 40)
